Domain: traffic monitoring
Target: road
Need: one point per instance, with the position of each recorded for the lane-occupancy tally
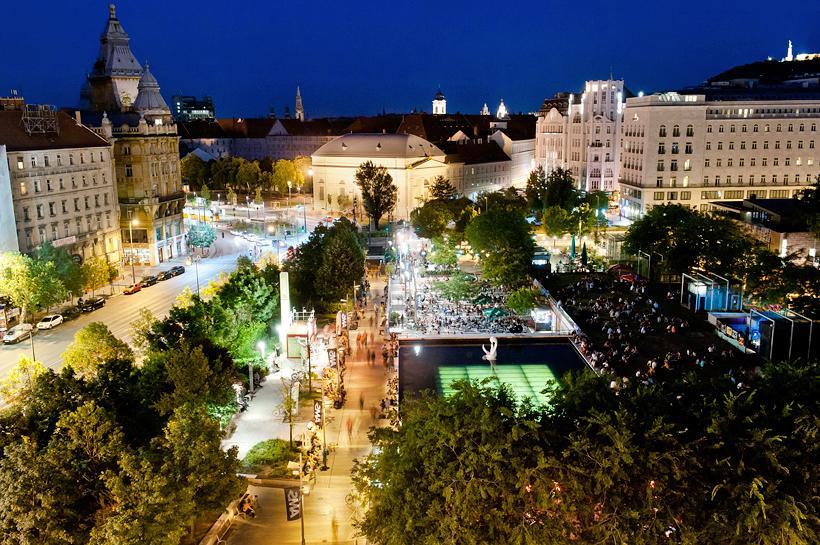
(120, 310)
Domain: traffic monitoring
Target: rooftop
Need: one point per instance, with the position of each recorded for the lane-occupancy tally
(378, 145)
(71, 135)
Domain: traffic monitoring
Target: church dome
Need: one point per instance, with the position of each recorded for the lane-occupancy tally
(149, 100)
(439, 95)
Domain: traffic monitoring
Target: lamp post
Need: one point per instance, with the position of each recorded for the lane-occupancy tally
(313, 189)
(304, 209)
(290, 184)
(248, 205)
(131, 222)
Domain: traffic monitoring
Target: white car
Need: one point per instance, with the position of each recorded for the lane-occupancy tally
(18, 333)
(51, 321)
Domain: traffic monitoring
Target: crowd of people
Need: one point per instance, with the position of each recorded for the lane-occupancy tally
(431, 313)
(619, 318)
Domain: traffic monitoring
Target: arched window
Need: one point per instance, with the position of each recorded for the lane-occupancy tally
(690, 130)
(676, 130)
(662, 131)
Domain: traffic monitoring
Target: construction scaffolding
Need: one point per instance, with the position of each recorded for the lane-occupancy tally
(40, 119)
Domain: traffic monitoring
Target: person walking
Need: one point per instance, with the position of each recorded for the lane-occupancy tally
(349, 425)
(361, 402)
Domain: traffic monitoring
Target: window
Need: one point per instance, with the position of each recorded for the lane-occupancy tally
(708, 146)
(82, 158)
(752, 162)
(85, 200)
(719, 163)
(688, 148)
(660, 165)
(776, 161)
(754, 145)
(743, 128)
(765, 161)
(96, 201)
(37, 186)
(754, 128)
(729, 162)
(779, 193)
(672, 195)
(798, 161)
(706, 180)
(765, 144)
(658, 195)
(51, 211)
(62, 185)
(766, 128)
(799, 144)
(687, 165)
(720, 128)
(77, 204)
(811, 143)
(25, 214)
(720, 146)
(706, 163)
(20, 164)
(717, 181)
(751, 179)
(779, 127)
(70, 158)
(731, 128)
(685, 195)
(39, 211)
(105, 198)
(59, 160)
(659, 181)
(709, 129)
(129, 171)
(662, 131)
(33, 162)
(48, 184)
(45, 160)
(741, 162)
(63, 206)
(676, 130)
(673, 166)
(733, 194)
(791, 127)
(661, 148)
(690, 130)
(675, 148)
(774, 178)
(731, 145)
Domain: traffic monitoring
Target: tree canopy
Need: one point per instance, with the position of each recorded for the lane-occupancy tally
(504, 242)
(379, 193)
(431, 219)
(696, 460)
(442, 189)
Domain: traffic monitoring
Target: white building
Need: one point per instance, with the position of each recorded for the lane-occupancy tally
(690, 149)
(412, 162)
(8, 230)
(439, 104)
(581, 133)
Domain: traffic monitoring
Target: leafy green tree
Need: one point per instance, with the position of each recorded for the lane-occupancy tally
(379, 193)
(201, 235)
(810, 206)
(561, 190)
(522, 300)
(342, 264)
(224, 171)
(69, 272)
(536, 190)
(97, 272)
(431, 219)
(247, 175)
(257, 199)
(20, 379)
(94, 345)
(141, 330)
(193, 170)
(504, 242)
(288, 171)
(29, 284)
(205, 193)
(459, 287)
(443, 253)
(442, 189)
(556, 221)
(506, 199)
(231, 196)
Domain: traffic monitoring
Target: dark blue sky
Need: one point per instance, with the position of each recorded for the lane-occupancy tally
(356, 57)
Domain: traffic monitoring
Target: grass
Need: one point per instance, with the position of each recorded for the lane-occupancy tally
(269, 459)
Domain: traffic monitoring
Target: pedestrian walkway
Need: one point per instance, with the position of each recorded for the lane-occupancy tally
(327, 513)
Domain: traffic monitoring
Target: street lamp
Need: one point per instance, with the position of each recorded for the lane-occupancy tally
(290, 184)
(131, 223)
(248, 205)
(304, 208)
(313, 203)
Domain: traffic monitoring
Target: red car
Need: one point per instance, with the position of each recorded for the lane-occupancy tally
(132, 289)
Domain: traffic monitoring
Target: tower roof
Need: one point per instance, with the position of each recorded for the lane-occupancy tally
(149, 100)
(439, 95)
(115, 57)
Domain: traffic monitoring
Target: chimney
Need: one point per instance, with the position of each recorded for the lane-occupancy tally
(78, 117)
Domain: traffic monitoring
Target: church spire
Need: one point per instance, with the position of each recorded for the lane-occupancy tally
(300, 111)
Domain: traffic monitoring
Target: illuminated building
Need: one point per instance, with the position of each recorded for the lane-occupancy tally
(187, 108)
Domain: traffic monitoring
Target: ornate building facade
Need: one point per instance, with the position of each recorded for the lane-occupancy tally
(145, 146)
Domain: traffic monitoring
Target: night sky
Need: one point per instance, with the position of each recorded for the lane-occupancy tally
(361, 57)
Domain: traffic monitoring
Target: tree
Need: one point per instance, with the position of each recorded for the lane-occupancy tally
(536, 190)
(141, 329)
(247, 174)
(224, 171)
(431, 219)
(288, 171)
(20, 379)
(231, 196)
(810, 206)
(201, 235)
(459, 287)
(443, 253)
(257, 199)
(190, 378)
(289, 405)
(561, 190)
(68, 271)
(503, 240)
(205, 193)
(192, 170)
(379, 193)
(29, 284)
(556, 221)
(94, 345)
(505, 199)
(342, 263)
(441, 189)
(97, 272)
(522, 300)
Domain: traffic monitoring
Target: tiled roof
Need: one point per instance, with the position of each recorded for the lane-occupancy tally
(71, 135)
(472, 154)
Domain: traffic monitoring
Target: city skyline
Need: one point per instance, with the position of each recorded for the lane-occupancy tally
(507, 64)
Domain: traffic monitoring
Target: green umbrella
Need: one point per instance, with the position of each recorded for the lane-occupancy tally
(572, 248)
(584, 257)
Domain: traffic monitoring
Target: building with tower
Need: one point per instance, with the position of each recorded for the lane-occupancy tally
(300, 110)
(188, 108)
(582, 133)
(114, 78)
(145, 143)
(439, 104)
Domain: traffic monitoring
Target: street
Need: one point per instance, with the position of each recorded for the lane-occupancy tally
(120, 310)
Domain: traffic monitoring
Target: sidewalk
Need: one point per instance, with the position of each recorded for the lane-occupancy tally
(327, 514)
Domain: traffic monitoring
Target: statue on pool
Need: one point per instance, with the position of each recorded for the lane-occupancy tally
(491, 354)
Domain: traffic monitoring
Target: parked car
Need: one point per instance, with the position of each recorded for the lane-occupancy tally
(149, 280)
(164, 275)
(177, 270)
(91, 304)
(132, 289)
(50, 322)
(18, 333)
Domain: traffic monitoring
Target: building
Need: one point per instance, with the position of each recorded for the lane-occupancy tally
(112, 84)
(474, 168)
(8, 226)
(439, 104)
(778, 223)
(188, 108)
(61, 185)
(300, 109)
(718, 144)
(146, 149)
(412, 162)
(581, 133)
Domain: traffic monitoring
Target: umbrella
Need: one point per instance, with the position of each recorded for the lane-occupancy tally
(572, 248)
(482, 300)
(584, 257)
